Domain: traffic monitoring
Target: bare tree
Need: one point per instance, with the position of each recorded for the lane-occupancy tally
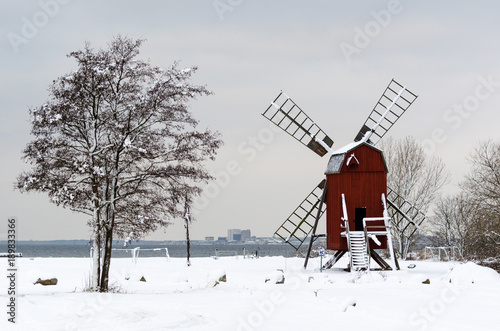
(454, 218)
(483, 180)
(117, 142)
(417, 178)
(482, 186)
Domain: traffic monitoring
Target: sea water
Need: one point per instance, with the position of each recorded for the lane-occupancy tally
(156, 250)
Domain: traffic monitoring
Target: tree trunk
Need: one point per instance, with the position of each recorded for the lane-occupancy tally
(188, 243)
(96, 245)
(109, 225)
(187, 219)
(108, 246)
(96, 259)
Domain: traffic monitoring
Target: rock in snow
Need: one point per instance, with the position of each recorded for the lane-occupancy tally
(51, 281)
(218, 275)
(276, 277)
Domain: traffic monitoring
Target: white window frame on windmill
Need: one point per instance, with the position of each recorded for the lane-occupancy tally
(348, 162)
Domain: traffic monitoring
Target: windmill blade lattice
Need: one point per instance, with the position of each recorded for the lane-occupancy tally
(395, 100)
(409, 212)
(299, 224)
(288, 116)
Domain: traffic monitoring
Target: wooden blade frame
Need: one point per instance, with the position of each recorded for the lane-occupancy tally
(399, 205)
(299, 224)
(288, 116)
(393, 103)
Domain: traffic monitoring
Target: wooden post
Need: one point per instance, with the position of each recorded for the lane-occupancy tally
(187, 219)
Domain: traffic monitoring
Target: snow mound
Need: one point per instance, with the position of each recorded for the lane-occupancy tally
(471, 273)
(368, 277)
(347, 305)
(418, 278)
(216, 274)
(393, 279)
(177, 277)
(133, 275)
(276, 277)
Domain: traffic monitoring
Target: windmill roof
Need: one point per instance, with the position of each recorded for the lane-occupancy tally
(337, 159)
(347, 148)
(335, 164)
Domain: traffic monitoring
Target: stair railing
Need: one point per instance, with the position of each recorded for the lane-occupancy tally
(346, 227)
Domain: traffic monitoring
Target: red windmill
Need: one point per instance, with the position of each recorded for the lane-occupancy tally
(354, 194)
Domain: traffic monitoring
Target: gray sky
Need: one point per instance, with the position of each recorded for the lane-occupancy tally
(332, 57)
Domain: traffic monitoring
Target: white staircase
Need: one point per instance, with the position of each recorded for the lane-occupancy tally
(360, 254)
(358, 250)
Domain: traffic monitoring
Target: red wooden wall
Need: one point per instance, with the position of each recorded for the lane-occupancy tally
(362, 185)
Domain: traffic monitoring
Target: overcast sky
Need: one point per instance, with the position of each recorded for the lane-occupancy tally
(333, 58)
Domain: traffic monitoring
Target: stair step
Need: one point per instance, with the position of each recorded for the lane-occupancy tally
(359, 257)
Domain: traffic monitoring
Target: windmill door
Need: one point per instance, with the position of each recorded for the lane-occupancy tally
(360, 213)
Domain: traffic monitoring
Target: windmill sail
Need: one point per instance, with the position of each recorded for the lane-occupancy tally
(395, 100)
(411, 217)
(288, 116)
(299, 224)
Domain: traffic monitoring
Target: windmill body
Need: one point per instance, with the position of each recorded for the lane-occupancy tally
(359, 172)
(354, 193)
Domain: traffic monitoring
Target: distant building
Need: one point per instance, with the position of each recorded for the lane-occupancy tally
(209, 238)
(224, 239)
(231, 235)
(246, 235)
(238, 235)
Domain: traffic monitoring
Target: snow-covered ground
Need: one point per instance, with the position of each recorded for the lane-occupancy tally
(176, 297)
